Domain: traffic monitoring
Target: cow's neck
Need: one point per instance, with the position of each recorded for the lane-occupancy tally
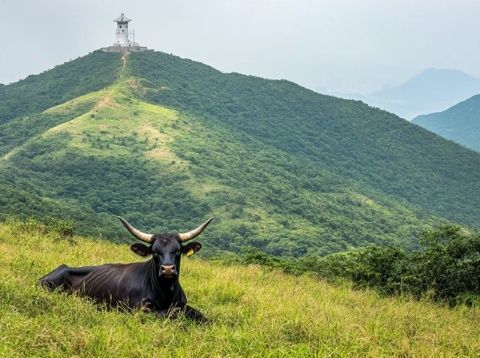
(165, 291)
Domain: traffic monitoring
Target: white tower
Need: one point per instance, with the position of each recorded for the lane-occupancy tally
(123, 42)
(122, 31)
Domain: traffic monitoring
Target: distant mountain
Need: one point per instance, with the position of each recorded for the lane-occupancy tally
(433, 90)
(460, 123)
(167, 142)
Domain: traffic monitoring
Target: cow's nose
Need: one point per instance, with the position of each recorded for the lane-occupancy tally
(168, 269)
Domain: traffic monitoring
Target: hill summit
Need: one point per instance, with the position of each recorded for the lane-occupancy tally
(167, 142)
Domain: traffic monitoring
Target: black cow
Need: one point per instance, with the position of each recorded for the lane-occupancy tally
(152, 285)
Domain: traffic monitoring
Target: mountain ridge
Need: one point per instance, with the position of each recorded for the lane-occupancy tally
(431, 90)
(171, 141)
(458, 123)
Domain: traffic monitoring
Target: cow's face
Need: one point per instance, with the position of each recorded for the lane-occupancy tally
(166, 251)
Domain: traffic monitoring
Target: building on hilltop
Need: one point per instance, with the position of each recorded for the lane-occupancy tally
(122, 30)
(124, 42)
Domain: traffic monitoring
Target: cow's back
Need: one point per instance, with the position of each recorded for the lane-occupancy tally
(115, 284)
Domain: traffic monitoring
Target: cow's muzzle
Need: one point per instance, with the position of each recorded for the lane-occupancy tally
(168, 270)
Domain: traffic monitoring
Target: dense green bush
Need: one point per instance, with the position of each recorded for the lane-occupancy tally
(446, 268)
(65, 227)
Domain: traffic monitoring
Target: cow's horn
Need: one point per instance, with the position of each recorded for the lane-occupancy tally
(194, 233)
(137, 233)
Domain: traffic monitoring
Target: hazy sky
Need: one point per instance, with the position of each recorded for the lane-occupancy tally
(334, 45)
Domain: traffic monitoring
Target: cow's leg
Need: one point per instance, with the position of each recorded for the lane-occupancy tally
(58, 278)
(167, 313)
(188, 311)
(63, 277)
(195, 314)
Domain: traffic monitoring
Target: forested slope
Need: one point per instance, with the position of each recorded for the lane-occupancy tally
(167, 142)
(72, 79)
(371, 147)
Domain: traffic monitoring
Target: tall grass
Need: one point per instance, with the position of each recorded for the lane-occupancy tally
(254, 312)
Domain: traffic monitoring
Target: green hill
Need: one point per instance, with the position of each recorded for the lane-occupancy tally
(72, 79)
(254, 312)
(460, 123)
(166, 142)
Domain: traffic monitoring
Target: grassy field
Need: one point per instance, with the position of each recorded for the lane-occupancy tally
(254, 312)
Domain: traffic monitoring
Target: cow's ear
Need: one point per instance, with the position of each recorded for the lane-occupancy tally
(141, 249)
(191, 248)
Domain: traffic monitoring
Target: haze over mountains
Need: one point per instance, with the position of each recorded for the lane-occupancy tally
(432, 90)
(460, 123)
(167, 142)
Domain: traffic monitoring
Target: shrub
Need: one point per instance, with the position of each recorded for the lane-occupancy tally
(446, 268)
(64, 227)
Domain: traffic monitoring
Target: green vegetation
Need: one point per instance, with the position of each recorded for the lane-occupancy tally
(376, 150)
(254, 312)
(167, 142)
(446, 269)
(459, 123)
(119, 152)
(72, 79)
